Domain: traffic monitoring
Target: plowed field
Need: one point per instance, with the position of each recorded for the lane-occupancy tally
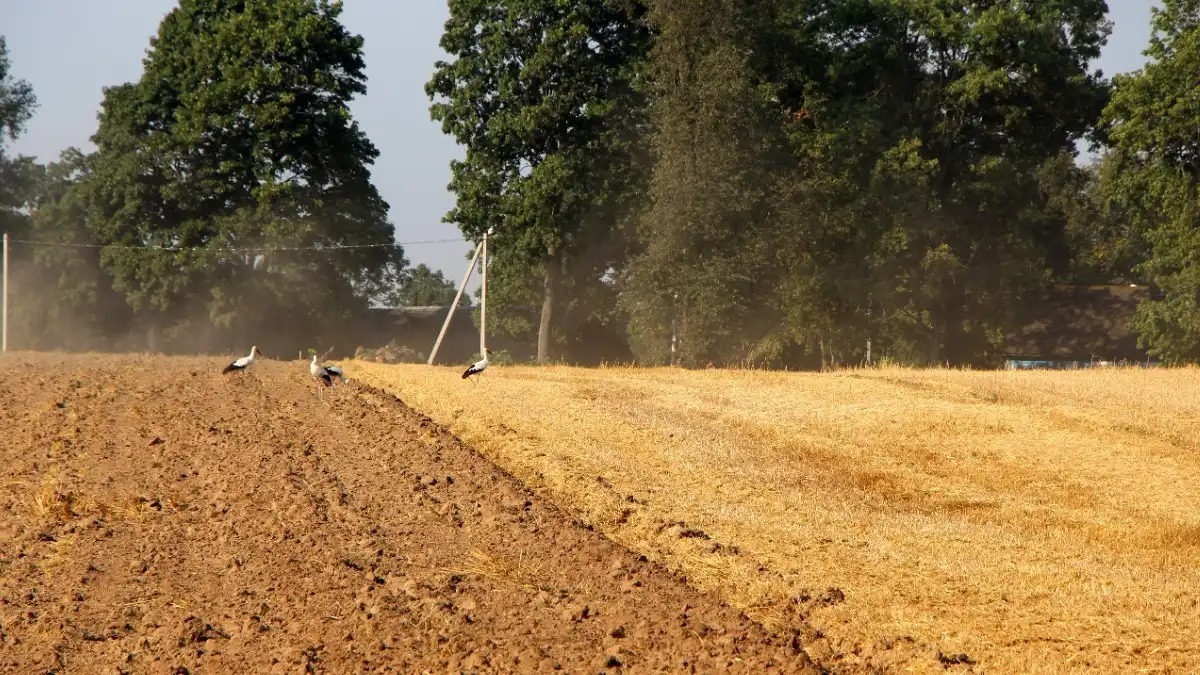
(158, 517)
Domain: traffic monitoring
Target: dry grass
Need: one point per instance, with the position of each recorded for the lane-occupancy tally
(1035, 521)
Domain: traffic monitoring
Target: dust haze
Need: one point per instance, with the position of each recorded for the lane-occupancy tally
(73, 308)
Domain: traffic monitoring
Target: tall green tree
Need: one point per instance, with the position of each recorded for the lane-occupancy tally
(1099, 244)
(541, 94)
(831, 173)
(17, 175)
(65, 300)
(238, 135)
(920, 128)
(694, 283)
(425, 286)
(1151, 124)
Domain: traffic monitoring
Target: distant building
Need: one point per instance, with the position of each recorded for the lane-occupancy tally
(1080, 327)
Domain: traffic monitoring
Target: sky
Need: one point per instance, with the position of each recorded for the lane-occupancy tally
(70, 49)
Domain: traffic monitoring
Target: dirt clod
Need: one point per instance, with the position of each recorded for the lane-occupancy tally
(955, 659)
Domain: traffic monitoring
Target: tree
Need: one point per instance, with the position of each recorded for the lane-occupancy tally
(17, 104)
(920, 129)
(1151, 124)
(64, 299)
(238, 136)
(425, 287)
(1098, 244)
(695, 281)
(830, 172)
(541, 93)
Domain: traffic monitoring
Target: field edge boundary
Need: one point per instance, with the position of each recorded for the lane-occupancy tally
(822, 650)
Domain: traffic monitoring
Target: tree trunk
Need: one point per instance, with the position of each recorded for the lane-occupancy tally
(682, 342)
(936, 340)
(553, 270)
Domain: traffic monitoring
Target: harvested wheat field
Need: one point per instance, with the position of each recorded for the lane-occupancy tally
(157, 517)
(906, 520)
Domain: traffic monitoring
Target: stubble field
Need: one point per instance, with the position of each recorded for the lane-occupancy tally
(898, 519)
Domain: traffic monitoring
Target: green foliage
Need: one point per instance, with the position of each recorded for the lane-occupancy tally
(701, 236)
(771, 183)
(904, 205)
(17, 175)
(1098, 243)
(818, 174)
(540, 92)
(1151, 123)
(17, 101)
(64, 299)
(425, 287)
(498, 357)
(238, 135)
(951, 225)
(55, 295)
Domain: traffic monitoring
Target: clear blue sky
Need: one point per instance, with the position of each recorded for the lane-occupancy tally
(69, 49)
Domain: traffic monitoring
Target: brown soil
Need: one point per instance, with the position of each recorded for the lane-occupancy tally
(158, 517)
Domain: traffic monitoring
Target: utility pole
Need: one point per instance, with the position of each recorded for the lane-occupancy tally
(674, 326)
(483, 270)
(869, 328)
(4, 330)
(454, 306)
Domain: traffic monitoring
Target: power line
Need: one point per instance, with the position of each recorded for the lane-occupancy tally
(254, 249)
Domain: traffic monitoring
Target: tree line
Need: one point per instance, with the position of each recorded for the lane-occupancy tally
(782, 183)
(230, 190)
(796, 182)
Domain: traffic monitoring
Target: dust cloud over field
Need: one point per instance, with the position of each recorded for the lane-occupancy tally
(903, 519)
(71, 305)
(156, 516)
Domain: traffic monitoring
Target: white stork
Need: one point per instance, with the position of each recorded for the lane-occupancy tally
(320, 373)
(335, 371)
(244, 362)
(477, 367)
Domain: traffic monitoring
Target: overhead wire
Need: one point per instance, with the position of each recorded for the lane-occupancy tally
(237, 249)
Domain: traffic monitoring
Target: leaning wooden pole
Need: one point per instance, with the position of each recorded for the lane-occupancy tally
(483, 270)
(457, 298)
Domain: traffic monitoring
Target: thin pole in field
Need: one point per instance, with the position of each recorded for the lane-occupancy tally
(4, 330)
(454, 306)
(483, 298)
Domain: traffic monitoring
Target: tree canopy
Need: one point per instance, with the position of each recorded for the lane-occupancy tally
(793, 183)
(782, 183)
(828, 173)
(1151, 123)
(17, 174)
(541, 93)
(427, 287)
(237, 145)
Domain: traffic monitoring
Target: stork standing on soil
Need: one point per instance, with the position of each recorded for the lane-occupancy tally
(335, 372)
(477, 367)
(244, 362)
(320, 373)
